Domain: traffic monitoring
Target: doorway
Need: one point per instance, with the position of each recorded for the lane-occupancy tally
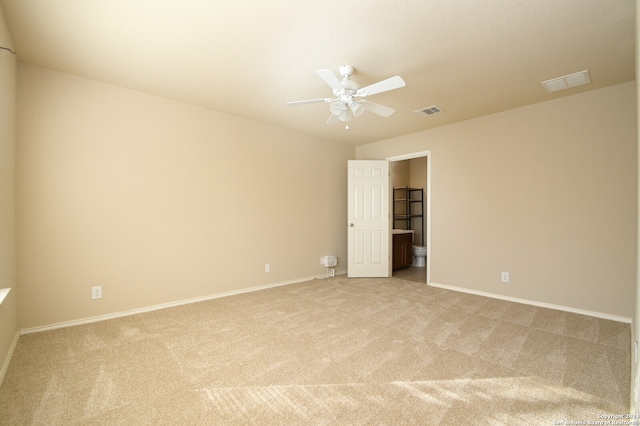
(413, 171)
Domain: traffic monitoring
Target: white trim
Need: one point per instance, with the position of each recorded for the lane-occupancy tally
(412, 156)
(3, 294)
(9, 355)
(535, 303)
(409, 156)
(158, 307)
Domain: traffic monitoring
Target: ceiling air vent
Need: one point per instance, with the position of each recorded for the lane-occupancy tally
(567, 81)
(429, 111)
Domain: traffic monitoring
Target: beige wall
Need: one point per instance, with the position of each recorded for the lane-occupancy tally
(418, 179)
(159, 201)
(400, 173)
(8, 309)
(545, 192)
(635, 371)
(418, 172)
(411, 173)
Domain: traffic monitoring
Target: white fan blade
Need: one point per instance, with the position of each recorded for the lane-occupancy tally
(330, 78)
(375, 108)
(332, 119)
(392, 83)
(309, 101)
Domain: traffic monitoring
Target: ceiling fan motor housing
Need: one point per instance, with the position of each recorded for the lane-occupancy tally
(346, 71)
(346, 96)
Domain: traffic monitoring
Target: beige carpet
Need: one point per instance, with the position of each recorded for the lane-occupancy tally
(325, 352)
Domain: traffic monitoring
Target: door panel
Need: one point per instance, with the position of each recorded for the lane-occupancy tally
(368, 219)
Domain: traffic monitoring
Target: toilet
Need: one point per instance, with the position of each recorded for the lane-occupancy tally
(419, 256)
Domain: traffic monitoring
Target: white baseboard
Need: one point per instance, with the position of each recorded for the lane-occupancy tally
(9, 355)
(158, 307)
(535, 303)
(279, 284)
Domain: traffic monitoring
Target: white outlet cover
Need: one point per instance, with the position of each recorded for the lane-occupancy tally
(96, 292)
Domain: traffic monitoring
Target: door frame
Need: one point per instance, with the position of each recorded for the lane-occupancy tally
(427, 187)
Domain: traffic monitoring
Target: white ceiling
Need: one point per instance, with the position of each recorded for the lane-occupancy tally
(248, 58)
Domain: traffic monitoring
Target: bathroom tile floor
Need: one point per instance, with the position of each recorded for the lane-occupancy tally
(412, 273)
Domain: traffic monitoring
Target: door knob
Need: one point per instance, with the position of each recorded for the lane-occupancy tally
(351, 225)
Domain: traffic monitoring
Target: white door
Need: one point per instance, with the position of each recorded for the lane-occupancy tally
(369, 235)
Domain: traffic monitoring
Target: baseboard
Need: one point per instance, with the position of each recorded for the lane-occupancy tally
(279, 284)
(9, 355)
(535, 303)
(158, 307)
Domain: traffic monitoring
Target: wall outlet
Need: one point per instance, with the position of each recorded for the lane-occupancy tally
(505, 277)
(96, 292)
(267, 267)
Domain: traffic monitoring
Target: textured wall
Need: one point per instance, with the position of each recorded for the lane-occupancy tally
(546, 192)
(8, 309)
(159, 201)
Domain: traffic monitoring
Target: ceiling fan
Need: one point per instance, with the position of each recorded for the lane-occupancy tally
(345, 105)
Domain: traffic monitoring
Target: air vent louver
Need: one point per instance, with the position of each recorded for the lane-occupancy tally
(429, 111)
(567, 81)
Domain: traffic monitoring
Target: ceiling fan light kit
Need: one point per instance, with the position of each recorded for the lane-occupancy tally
(335, 107)
(344, 105)
(356, 108)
